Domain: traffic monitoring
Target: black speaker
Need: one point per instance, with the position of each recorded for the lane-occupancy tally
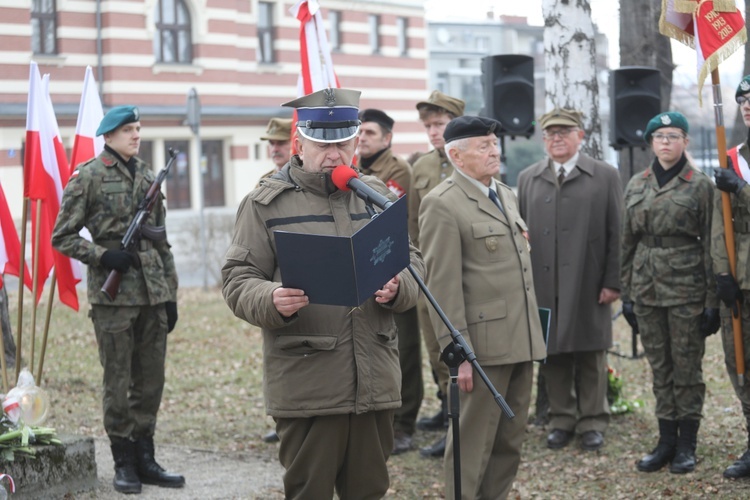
(508, 83)
(635, 98)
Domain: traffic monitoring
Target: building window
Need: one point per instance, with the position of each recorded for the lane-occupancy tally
(172, 42)
(265, 32)
(44, 27)
(334, 21)
(402, 25)
(374, 22)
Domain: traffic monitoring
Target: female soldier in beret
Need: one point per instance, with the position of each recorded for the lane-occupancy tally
(668, 285)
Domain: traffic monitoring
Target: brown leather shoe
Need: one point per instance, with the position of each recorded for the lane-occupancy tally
(402, 442)
(592, 440)
(558, 438)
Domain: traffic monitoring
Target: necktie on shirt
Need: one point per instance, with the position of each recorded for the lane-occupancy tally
(560, 176)
(496, 200)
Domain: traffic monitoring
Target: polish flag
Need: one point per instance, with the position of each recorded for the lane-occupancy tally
(10, 246)
(90, 113)
(48, 173)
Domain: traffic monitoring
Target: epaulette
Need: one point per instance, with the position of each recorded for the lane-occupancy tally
(443, 186)
(268, 189)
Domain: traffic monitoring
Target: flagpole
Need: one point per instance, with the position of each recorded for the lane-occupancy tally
(34, 304)
(21, 281)
(726, 205)
(46, 328)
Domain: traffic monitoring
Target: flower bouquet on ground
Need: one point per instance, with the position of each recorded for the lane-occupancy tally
(25, 408)
(618, 405)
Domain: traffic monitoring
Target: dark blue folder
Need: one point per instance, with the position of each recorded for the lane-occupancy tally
(345, 270)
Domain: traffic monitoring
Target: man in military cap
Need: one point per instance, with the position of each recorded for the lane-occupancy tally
(572, 204)
(131, 330)
(470, 228)
(734, 180)
(430, 170)
(376, 158)
(331, 373)
(279, 136)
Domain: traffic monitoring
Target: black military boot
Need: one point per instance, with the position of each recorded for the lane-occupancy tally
(126, 478)
(439, 420)
(665, 448)
(687, 440)
(741, 467)
(149, 471)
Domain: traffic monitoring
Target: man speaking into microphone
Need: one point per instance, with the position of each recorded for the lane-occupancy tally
(331, 377)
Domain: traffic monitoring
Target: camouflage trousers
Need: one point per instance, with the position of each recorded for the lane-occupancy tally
(674, 347)
(727, 339)
(132, 347)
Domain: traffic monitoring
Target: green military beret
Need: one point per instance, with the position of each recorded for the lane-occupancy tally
(744, 87)
(116, 117)
(668, 119)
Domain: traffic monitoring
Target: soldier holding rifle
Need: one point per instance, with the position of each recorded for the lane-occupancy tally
(731, 291)
(132, 323)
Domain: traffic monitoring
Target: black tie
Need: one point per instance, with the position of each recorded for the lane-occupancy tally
(496, 200)
(561, 176)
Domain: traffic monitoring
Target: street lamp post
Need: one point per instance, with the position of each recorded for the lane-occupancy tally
(194, 121)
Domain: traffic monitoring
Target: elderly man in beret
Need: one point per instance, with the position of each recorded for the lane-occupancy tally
(131, 330)
(732, 290)
(573, 205)
(479, 270)
(331, 373)
(279, 137)
(430, 170)
(376, 158)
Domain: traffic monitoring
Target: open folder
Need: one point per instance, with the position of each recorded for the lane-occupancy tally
(345, 270)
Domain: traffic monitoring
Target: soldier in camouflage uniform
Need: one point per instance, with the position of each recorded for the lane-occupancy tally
(730, 290)
(428, 171)
(667, 285)
(103, 195)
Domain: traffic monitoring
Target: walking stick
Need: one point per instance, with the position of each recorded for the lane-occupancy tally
(726, 205)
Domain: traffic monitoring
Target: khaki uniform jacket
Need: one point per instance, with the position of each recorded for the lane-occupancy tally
(574, 233)
(479, 270)
(324, 360)
(102, 197)
(395, 172)
(664, 275)
(428, 171)
(741, 222)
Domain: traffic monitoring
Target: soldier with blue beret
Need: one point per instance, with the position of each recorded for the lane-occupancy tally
(733, 290)
(668, 285)
(102, 195)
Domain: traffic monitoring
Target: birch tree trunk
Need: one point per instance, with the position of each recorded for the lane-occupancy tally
(570, 65)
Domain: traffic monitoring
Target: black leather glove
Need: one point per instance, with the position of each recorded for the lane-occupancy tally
(727, 179)
(171, 308)
(728, 291)
(710, 321)
(627, 311)
(119, 260)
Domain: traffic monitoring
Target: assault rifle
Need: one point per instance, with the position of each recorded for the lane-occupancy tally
(139, 229)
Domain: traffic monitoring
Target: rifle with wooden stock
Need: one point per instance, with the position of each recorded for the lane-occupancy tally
(138, 228)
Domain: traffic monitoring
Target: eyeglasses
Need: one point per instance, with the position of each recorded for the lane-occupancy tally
(562, 133)
(669, 137)
(742, 99)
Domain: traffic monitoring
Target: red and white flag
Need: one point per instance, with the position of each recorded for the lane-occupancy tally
(48, 173)
(10, 246)
(90, 113)
(714, 28)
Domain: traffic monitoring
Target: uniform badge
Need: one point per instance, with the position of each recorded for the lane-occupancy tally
(492, 243)
(330, 97)
(666, 120)
(744, 85)
(135, 114)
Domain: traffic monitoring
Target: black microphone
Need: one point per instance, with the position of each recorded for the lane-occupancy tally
(345, 178)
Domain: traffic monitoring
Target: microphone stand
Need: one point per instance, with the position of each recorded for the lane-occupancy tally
(453, 355)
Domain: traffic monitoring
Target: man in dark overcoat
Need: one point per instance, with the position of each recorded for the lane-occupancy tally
(572, 204)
